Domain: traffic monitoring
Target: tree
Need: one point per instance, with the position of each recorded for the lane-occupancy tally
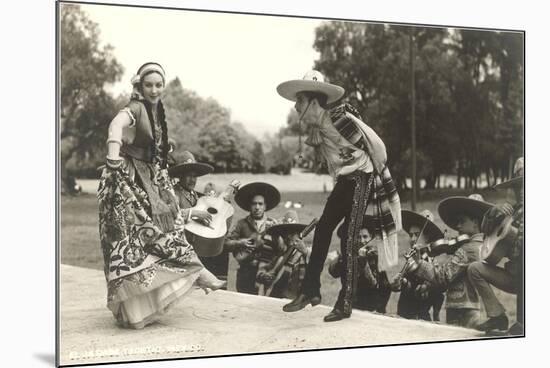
(468, 93)
(204, 127)
(494, 60)
(258, 159)
(86, 108)
(371, 62)
(220, 142)
(182, 115)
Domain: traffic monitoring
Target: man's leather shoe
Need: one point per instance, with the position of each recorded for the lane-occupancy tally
(335, 315)
(516, 329)
(301, 302)
(499, 323)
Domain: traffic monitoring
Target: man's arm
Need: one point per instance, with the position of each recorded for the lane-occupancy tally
(234, 241)
(441, 276)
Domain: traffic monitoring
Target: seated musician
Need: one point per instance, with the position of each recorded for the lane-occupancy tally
(463, 214)
(248, 241)
(283, 276)
(415, 301)
(186, 173)
(373, 288)
(509, 278)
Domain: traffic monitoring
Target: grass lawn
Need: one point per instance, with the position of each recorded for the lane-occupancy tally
(80, 240)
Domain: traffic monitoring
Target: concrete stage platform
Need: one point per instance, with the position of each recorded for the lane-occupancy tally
(221, 323)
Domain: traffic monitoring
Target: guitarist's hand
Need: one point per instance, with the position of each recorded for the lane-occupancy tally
(201, 216)
(247, 243)
(258, 241)
(494, 217)
(506, 209)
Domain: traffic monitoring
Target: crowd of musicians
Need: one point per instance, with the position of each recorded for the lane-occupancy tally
(146, 202)
(272, 257)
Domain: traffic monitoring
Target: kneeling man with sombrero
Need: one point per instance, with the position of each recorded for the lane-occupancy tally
(509, 278)
(373, 288)
(283, 276)
(415, 301)
(186, 172)
(463, 214)
(247, 240)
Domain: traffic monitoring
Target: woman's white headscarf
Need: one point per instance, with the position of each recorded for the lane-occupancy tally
(143, 70)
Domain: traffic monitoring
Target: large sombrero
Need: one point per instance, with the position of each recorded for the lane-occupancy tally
(189, 164)
(431, 230)
(313, 81)
(290, 223)
(368, 222)
(244, 195)
(517, 176)
(451, 208)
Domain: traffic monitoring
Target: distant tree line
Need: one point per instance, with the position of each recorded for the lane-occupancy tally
(202, 126)
(469, 102)
(469, 95)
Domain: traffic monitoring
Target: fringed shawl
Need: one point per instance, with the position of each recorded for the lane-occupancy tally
(387, 206)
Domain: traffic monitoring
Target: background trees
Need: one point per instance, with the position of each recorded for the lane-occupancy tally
(469, 102)
(86, 107)
(469, 111)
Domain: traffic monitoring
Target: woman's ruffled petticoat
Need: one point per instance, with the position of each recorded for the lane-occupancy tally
(146, 270)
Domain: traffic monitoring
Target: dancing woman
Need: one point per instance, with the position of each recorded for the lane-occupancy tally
(148, 262)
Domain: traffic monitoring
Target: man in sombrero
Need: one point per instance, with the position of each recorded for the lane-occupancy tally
(373, 288)
(283, 276)
(509, 278)
(414, 302)
(463, 214)
(356, 159)
(247, 240)
(186, 172)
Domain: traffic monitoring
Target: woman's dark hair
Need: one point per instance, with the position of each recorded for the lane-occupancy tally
(320, 97)
(164, 129)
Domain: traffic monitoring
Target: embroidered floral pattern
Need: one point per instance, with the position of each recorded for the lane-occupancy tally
(133, 246)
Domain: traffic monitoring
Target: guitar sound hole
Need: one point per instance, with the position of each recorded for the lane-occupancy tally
(212, 210)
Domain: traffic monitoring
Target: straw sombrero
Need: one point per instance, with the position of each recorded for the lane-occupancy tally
(517, 176)
(313, 81)
(290, 223)
(244, 195)
(368, 222)
(431, 231)
(188, 164)
(451, 208)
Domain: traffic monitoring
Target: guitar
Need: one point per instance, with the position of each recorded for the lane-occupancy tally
(278, 268)
(208, 240)
(496, 245)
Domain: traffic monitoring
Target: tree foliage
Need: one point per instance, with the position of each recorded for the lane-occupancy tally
(469, 101)
(86, 68)
(204, 127)
(469, 115)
